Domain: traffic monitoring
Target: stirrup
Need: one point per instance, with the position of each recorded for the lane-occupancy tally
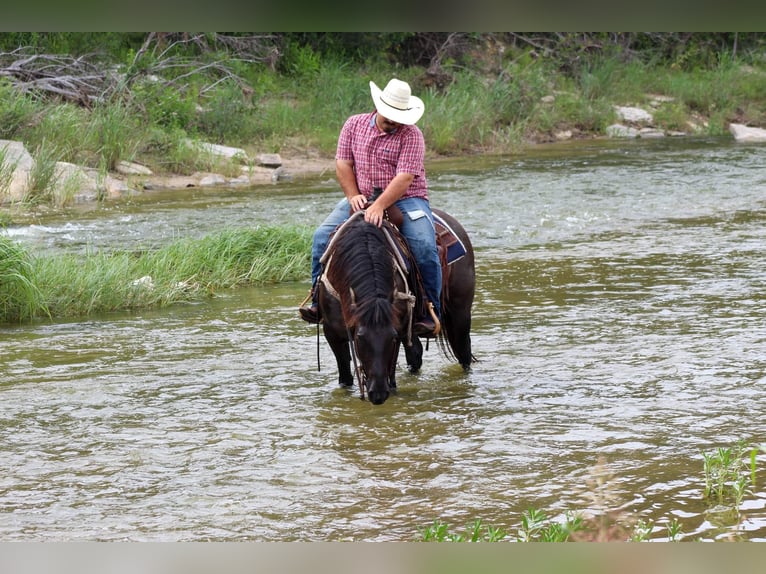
(309, 313)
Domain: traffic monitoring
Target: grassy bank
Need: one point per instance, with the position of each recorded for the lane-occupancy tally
(500, 102)
(494, 98)
(186, 270)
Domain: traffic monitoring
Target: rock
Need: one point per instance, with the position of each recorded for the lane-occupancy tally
(212, 179)
(220, 150)
(73, 181)
(19, 162)
(269, 160)
(656, 100)
(145, 282)
(650, 133)
(116, 187)
(563, 135)
(743, 133)
(131, 168)
(280, 174)
(241, 180)
(633, 115)
(548, 99)
(621, 131)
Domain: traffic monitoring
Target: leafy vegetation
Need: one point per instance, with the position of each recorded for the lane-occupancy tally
(730, 475)
(185, 270)
(102, 97)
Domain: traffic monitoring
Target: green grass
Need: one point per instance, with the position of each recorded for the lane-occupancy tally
(185, 270)
(495, 109)
(729, 474)
(20, 298)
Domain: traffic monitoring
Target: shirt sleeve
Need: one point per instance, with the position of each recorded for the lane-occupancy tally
(344, 151)
(412, 154)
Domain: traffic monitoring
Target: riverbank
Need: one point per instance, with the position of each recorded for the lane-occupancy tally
(511, 98)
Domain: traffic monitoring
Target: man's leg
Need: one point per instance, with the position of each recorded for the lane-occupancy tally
(418, 229)
(319, 243)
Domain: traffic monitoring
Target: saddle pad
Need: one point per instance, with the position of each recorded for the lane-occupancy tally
(455, 249)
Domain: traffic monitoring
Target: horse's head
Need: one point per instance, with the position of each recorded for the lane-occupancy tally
(367, 290)
(376, 348)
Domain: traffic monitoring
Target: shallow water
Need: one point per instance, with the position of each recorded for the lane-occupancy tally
(619, 323)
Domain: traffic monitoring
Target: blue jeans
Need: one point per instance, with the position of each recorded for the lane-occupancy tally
(418, 230)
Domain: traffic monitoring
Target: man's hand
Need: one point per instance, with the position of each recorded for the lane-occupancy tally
(357, 203)
(374, 214)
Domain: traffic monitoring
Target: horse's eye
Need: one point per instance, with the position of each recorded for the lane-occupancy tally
(361, 331)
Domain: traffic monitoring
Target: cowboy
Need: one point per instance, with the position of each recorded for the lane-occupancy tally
(384, 149)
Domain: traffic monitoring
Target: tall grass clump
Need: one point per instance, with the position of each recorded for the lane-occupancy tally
(43, 176)
(187, 269)
(17, 110)
(20, 299)
(113, 134)
(61, 126)
(7, 169)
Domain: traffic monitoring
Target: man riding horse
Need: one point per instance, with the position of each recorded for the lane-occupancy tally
(384, 149)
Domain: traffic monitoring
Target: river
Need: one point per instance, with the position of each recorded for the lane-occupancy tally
(619, 323)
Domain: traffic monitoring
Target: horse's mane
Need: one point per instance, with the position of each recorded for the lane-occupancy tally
(362, 263)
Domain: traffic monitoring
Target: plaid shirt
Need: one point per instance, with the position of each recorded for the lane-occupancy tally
(379, 156)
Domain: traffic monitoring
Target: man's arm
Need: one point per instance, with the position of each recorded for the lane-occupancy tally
(395, 189)
(344, 171)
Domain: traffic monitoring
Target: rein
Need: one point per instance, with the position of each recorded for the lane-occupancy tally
(360, 375)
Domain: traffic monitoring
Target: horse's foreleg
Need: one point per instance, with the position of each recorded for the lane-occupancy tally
(414, 355)
(342, 354)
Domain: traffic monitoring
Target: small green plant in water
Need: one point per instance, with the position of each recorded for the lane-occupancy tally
(474, 532)
(727, 477)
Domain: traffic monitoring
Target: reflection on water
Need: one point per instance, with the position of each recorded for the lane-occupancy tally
(619, 318)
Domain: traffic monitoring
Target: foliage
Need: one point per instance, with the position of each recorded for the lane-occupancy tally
(42, 177)
(730, 474)
(475, 532)
(113, 134)
(188, 269)
(226, 115)
(484, 92)
(7, 168)
(20, 299)
(16, 109)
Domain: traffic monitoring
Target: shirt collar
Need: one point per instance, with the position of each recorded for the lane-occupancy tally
(372, 124)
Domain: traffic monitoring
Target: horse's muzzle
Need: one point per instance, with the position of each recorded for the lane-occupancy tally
(378, 397)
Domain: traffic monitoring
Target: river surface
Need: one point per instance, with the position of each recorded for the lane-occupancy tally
(619, 322)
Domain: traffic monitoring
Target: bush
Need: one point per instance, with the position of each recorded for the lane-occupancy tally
(19, 297)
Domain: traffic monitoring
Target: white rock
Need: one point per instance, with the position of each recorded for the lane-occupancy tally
(212, 179)
(131, 168)
(743, 133)
(651, 133)
(270, 160)
(241, 180)
(145, 282)
(220, 150)
(621, 131)
(20, 161)
(635, 115)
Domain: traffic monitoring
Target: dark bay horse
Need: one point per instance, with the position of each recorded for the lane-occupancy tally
(368, 302)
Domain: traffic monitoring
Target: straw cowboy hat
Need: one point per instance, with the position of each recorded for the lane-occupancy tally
(397, 103)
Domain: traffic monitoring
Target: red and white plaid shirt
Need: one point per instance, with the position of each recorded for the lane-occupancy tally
(379, 156)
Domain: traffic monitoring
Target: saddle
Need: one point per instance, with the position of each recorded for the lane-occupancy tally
(448, 245)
